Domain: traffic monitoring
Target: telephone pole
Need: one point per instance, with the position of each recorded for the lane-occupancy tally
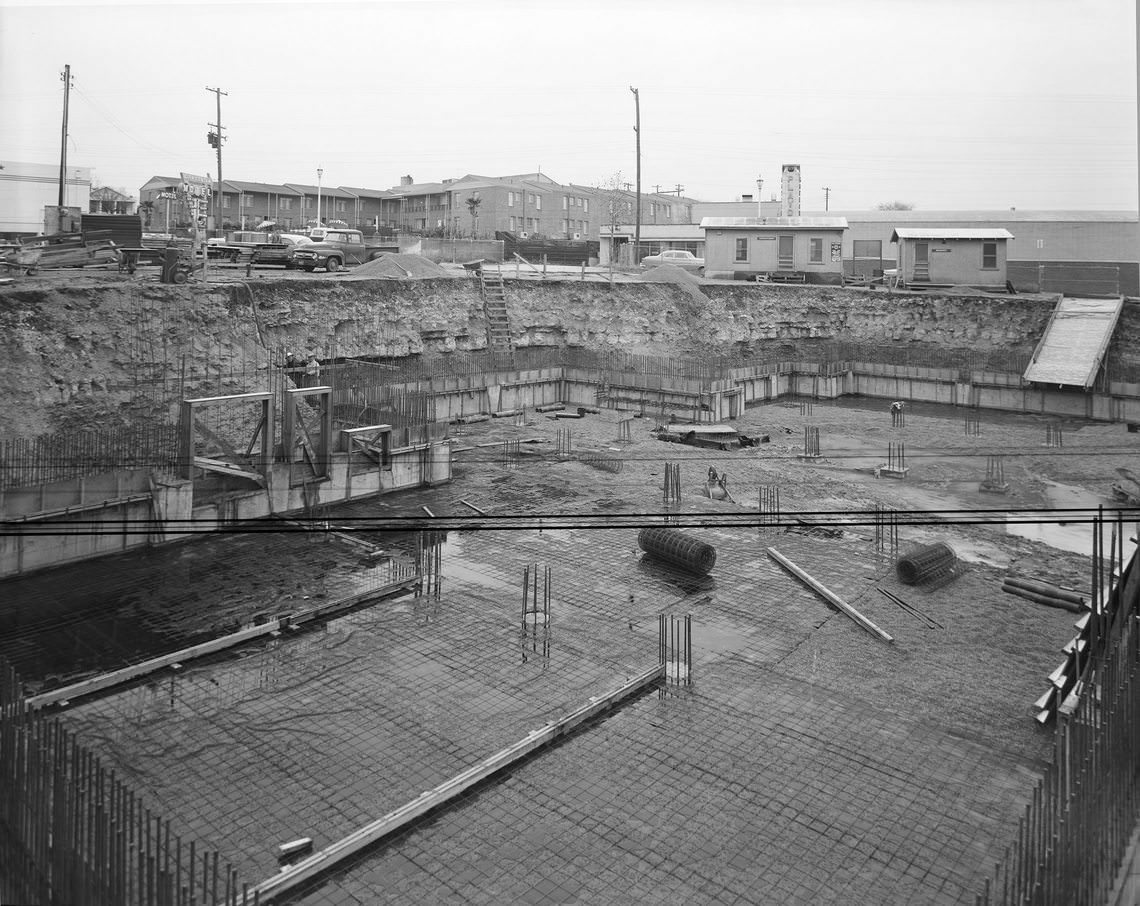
(826, 196)
(66, 76)
(637, 221)
(217, 142)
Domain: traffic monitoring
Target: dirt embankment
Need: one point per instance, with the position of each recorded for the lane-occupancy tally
(79, 352)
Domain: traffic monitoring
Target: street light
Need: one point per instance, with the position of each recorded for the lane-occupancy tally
(320, 173)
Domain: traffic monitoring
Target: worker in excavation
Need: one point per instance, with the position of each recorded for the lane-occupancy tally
(313, 372)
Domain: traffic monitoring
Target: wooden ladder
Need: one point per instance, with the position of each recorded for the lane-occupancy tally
(495, 309)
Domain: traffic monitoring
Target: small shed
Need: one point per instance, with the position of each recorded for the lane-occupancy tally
(792, 249)
(950, 256)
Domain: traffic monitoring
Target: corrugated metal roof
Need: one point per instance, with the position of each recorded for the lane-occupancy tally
(950, 233)
(772, 223)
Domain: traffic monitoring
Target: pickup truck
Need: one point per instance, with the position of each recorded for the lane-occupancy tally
(338, 248)
(241, 244)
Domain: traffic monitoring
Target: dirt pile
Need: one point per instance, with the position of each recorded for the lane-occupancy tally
(401, 267)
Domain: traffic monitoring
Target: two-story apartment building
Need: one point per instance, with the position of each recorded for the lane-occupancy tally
(530, 203)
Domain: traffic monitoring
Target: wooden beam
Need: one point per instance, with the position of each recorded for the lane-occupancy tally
(115, 677)
(295, 875)
(236, 398)
(826, 593)
(216, 465)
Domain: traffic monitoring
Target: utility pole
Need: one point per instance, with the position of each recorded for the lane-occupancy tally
(66, 76)
(826, 196)
(637, 221)
(217, 143)
(678, 189)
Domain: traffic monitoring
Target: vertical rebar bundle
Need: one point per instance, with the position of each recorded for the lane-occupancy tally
(564, 442)
(768, 505)
(428, 560)
(535, 601)
(972, 425)
(511, 453)
(898, 414)
(1076, 827)
(896, 456)
(675, 647)
(625, 431)
(805, 407)
(811, 440)
(74, 832)
(995, 475)
(929, 563)
(520, 418)
(886, 531)
(1054, 435)
(671, 493)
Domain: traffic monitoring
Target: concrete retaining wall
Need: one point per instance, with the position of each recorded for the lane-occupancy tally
(166, 511)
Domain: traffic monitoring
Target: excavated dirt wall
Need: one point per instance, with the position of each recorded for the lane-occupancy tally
(77, 354)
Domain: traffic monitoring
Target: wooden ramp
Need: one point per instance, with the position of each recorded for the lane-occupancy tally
(1072, 349)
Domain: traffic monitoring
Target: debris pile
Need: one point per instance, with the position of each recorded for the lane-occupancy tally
(402, 266)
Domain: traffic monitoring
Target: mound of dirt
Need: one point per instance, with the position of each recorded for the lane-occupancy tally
(678, 276)
(401, 266)
(670, 273)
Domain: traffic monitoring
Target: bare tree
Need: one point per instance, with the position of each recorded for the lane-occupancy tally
(617, 206)
(894, 206)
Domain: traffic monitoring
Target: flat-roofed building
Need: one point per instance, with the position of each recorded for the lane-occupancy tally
(950, 256)
(801, 249)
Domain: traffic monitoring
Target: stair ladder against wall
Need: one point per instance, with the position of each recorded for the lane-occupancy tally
(495, 309)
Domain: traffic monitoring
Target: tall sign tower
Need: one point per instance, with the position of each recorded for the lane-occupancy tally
(790, 190)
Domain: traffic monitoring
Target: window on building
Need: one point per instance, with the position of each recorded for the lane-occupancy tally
(511, 200)
(514, 225)
(989, 255)
(816, 254)
(225, 202)
(565, 202)
(286, 204)
(742, 249)
(341, 204)
(247, 201)
(538, 202)
(585, 206)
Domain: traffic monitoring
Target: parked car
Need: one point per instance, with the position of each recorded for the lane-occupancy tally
(687, 260)
(338, 248)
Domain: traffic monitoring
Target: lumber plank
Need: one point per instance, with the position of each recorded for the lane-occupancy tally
(826, 593)
(282, 883)
(115, 677)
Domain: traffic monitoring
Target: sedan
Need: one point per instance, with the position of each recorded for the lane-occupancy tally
(687, 260)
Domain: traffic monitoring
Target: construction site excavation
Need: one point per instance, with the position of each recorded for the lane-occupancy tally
(432, 583)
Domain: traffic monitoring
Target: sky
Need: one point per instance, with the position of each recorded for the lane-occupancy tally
(943, 104)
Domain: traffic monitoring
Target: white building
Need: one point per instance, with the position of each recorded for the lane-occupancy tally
(26, 189)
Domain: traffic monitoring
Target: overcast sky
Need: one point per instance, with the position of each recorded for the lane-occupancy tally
(946, 104)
